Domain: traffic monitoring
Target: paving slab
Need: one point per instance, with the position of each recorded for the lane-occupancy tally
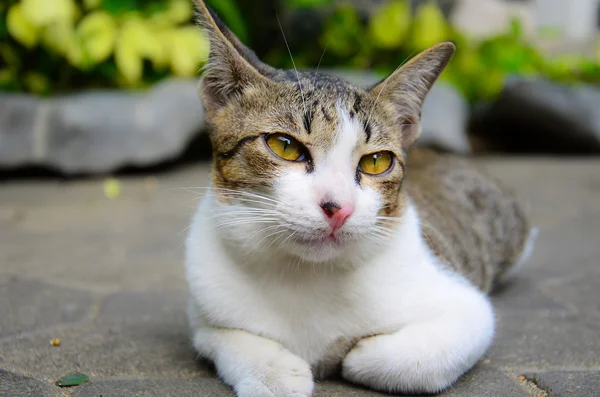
(568, 383)
(14, 385)
(111, 350)
(204, 387)
(28, 305)
(106, 277)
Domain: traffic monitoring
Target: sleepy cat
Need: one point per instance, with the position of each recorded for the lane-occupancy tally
(322, 246)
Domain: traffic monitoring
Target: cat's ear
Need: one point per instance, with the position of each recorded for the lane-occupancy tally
(231, 66)
(404, 91)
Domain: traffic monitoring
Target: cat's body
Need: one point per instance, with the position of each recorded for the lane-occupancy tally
(471, 222)
(309, 254)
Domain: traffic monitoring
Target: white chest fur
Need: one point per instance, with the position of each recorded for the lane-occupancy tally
(309, 310)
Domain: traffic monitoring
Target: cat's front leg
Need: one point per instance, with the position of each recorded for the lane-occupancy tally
(428, 355)
(254, 366)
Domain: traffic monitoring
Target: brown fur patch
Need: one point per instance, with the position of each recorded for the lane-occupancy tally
(470, 221)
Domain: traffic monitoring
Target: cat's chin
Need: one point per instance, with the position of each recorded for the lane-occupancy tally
(319, 249)
(319, 242)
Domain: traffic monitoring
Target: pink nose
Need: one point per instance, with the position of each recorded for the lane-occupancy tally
(336, 214)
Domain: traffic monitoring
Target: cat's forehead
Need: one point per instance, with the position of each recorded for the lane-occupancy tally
(325, 89)
(329, 104)
(315, 108)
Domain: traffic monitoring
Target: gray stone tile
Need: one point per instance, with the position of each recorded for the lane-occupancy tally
(523, 296)
(69, 234)
(480, 381)
(340, 388)
(568, 383)
(13, 385)
(561, 197)
(167, 307)
(579, 291)
(546, 343)
(140, 349)
(484, 380)
(134, 254)
(27, 305)
(197, 387)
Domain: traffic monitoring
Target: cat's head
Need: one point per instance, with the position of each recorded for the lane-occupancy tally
(305, 163)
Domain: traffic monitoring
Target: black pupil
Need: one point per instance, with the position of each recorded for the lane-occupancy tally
(286, 142)
(375, 157)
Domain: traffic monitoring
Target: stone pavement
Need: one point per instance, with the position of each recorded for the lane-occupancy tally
(106, 277)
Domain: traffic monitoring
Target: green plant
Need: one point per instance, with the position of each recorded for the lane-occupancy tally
(393, 34)
(61, 45)
(67, 44)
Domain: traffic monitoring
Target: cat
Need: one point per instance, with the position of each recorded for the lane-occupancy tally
(324, 245)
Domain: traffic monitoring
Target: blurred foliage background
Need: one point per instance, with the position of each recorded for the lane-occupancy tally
(57, 46)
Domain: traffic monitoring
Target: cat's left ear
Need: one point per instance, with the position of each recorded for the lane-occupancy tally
(404, 91)
(231, 66)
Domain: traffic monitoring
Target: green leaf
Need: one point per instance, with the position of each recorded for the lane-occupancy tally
(74, 379)
(308, 3)
(230, 12)
(3, 30)
(117, 7)
(342, 30)
(390, 24)
(429, 26)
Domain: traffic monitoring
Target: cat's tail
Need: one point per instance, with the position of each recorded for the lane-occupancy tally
(509, 272)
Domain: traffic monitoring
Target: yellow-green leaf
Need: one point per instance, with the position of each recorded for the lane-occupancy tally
(127, 58)
(430, 26)
(75, 53)
(20, 27)
(44, 12)
(390, 24)
(188, 49)
(58, 37)
(91, 4)
(141, 35)
(97, 32)
(179, 11)
(155, 49)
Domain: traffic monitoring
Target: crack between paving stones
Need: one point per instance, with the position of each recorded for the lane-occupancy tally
(534, 387)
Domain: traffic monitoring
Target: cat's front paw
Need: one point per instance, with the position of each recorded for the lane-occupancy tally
(285, 376)
(408, 361)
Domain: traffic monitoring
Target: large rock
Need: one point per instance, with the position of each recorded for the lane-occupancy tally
(537, 116)
(96, 132)
(445, 119)
(99, 132)
(445, 114)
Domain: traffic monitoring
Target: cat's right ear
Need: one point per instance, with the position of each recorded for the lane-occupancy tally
(231, 66)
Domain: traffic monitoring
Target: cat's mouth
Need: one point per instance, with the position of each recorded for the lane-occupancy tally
(324, 241)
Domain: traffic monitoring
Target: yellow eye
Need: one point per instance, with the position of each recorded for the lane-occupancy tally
(286, 147)
(376, 163)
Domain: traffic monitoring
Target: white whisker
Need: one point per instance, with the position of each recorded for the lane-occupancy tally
(293, 63)
(322, 55)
